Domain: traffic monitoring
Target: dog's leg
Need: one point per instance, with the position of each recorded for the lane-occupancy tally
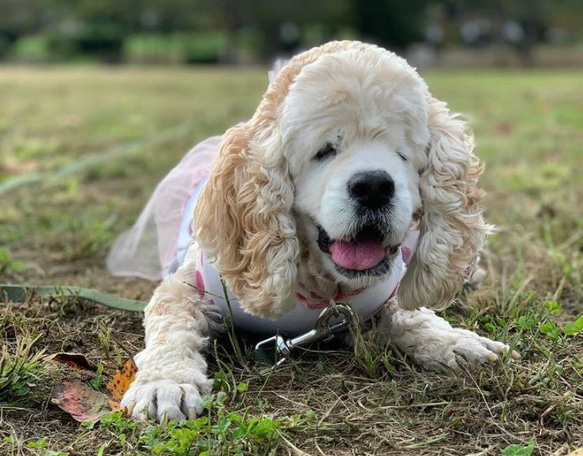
(433, 343)
(171, 379)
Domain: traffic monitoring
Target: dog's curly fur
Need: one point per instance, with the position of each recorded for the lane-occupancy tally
(257, 217)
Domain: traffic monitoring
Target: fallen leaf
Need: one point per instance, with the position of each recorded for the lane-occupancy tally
(120, 383)
(80, 401)
(577, 452)
(77, 360)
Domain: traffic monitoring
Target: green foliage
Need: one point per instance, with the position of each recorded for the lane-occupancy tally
(219, 432)
(97, 382)
(555, 330)
(41, 444)
(553, 307)
(519, 450)
(391, 22)
(527, 314)
(8, 265)
(32, 48)
(5, 46)
(175, 48)
(574, 328)
(20, 369)
(551, 330)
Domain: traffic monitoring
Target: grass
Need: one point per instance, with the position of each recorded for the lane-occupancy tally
(83, 147)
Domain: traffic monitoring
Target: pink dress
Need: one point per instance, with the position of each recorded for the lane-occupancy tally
(162, 232)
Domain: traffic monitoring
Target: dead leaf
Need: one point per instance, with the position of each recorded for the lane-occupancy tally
(77, 360)
(80, 401)
(577, 452)
(120, 383)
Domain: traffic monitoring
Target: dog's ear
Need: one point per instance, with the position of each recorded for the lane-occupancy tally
(452, 227)
(244, 220)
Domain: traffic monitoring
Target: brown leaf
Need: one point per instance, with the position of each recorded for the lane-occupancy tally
(577, 452)
(120, 383)
(80, 401)
(76, 360)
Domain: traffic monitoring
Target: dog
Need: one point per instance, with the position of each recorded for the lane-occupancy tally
(350, 183)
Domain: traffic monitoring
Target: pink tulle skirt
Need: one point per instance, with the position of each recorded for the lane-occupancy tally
(149, 248)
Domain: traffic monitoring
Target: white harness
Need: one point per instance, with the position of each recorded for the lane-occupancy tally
(302, 318)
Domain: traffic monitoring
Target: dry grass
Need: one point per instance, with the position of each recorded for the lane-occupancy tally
(125, 127)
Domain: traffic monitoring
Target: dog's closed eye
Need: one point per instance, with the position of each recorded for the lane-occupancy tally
(328, 151)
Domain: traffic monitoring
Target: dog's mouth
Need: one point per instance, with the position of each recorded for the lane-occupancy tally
(362, 254)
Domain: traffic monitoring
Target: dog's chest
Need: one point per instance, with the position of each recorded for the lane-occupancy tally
(365, 301)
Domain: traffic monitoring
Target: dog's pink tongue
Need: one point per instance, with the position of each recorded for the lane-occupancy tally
(357, 255)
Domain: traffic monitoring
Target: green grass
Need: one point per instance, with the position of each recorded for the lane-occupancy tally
(81, 149)
(220, 431)
(20, 365)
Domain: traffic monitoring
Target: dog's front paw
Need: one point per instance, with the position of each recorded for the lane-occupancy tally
(442, 349)
(436, 345)
(165, 399)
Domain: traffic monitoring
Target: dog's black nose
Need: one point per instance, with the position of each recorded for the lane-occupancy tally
(372, 189)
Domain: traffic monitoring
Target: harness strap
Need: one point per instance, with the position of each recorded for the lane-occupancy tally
(21, 293)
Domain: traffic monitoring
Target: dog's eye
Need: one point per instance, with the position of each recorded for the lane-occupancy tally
(403, 156)
(327, 151)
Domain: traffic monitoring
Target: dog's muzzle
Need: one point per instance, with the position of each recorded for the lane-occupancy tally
(361, 255)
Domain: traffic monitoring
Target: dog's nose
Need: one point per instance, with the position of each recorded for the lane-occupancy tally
(372, 189)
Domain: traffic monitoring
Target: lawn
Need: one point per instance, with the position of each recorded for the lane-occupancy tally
(81, 148)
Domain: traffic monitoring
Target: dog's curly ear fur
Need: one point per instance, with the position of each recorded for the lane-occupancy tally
(452, 228)
(244, 221)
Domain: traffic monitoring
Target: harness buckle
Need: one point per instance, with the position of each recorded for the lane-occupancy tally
(332, 318)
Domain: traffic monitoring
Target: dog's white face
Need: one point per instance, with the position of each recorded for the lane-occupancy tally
(354, 140)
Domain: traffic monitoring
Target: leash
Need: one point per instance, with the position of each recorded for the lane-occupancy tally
(21, 293)
(277, 349)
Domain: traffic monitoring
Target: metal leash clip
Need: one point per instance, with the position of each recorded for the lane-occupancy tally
(324, 330)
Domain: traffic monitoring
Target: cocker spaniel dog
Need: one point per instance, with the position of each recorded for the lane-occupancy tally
(349, 180)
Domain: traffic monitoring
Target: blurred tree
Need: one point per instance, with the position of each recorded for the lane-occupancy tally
(100, 28)
(18, 18)
(518, 23)
(279, 21)
(393, 23)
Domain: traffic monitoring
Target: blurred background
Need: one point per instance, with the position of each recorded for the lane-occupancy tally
(99, 99)
(429, 33)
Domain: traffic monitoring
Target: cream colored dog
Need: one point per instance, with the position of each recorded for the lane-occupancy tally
(311, 201)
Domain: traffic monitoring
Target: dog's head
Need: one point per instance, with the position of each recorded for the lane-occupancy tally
(347, 147)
